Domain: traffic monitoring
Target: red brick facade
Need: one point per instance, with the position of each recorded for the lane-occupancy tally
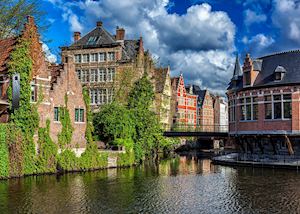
(185, 104)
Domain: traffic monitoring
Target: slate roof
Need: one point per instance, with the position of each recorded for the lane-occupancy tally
(97, 37)
(201, 93)
(286, 62)
(160, 75)
(6, 46)
(237, 71)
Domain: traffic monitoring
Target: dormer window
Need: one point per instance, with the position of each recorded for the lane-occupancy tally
(279, 73)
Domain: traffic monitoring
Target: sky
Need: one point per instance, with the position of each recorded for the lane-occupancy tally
(198, 38)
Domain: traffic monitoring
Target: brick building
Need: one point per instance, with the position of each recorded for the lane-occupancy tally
(107, 64)
(264, 103)
(163, 92)
(52, 82)
(183, 105)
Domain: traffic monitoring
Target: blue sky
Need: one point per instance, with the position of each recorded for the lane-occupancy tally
(199, 38)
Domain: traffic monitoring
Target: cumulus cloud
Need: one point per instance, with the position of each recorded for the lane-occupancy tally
(199, 43)
(259, 44)
(49, 56)
(286, 18)
(252, 17)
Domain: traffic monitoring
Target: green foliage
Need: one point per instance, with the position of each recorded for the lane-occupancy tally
(13, 14)
(126, 159)
(67, 161)
(114, 122)
(47, 157)
(65, 136)
(89, 117)
(4, 154)
(92, 158)
(26, 116)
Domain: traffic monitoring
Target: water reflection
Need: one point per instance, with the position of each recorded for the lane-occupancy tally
(184, 184)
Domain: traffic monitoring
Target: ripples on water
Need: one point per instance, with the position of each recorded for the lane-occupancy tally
(186, 184)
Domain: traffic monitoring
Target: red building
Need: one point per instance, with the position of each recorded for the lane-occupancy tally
(184, 105)
(264, 104)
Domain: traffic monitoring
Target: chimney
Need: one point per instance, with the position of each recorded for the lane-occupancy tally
(120, 33)
(76, 36)
(99, 24)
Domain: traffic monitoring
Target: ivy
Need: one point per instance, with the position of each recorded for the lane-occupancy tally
(47, 157)
(92, 158)
(4, 154)
(89, 117)
(67, 161)
(26, 116)
(65, 136)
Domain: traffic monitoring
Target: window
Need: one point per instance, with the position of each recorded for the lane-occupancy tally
(79, 115)
(287, 106)
(102, 75)
(242, 109)
(78, 72)
(110, 74)
(278, 76)
(77, 58)
(102, 96)
(94, 57)
(232, 110)
(110, 95)
(248, 108)
(268, 107)
(277, 109)
(93, 75)
(247, 78)
(102, 57)
(111, 56)
(92, 40)
(255, 108)
(33, 97)
(85, 76)
(85, 58)
(56, 113)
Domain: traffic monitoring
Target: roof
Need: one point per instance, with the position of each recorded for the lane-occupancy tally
(130, 49)
(97, 37)
(237, 71)
(160, 75)
(285, 62)
(290, 61)
(175, 82)
(201, 93)
(7, 45)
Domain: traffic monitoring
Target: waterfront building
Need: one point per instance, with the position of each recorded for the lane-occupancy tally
(50, 86)
(163, 92)
(183, 105)
(220, 114)
(264, 100)
(205, 108)
(107, 64)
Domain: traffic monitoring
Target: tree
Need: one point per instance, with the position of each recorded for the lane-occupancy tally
(114, 122)
(13, 15)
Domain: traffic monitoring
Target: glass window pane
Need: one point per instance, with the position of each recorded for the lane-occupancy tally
(287, 96)
(277, 97)
(268, 111)
(277, 110)
(254, 99)
(248, 107)
(248, 100)
(287, 106)
(255, 111)
(76, 115)
(268, 98)
(243, 112)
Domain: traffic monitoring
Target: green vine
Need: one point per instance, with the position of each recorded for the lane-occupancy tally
(65, 136)
(89, 117)
(4, 154)
(47, 157)
(26, 116)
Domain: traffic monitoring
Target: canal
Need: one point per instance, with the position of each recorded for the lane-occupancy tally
(183, 184)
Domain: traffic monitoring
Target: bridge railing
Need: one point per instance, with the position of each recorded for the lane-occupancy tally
(199, 128)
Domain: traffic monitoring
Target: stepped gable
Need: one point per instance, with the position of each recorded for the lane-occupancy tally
(7, 45)
(55, 73)
(160, 75)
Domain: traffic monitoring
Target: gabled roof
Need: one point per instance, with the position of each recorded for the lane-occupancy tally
(175, 82)
(201, 94)
(130, 49)
(6, 46)
(97, 37)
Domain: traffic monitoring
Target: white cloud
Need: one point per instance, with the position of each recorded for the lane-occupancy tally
(49, 56)
(200, 43)
(252, 17)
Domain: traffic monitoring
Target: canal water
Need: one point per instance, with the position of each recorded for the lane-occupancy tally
(183, 184)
